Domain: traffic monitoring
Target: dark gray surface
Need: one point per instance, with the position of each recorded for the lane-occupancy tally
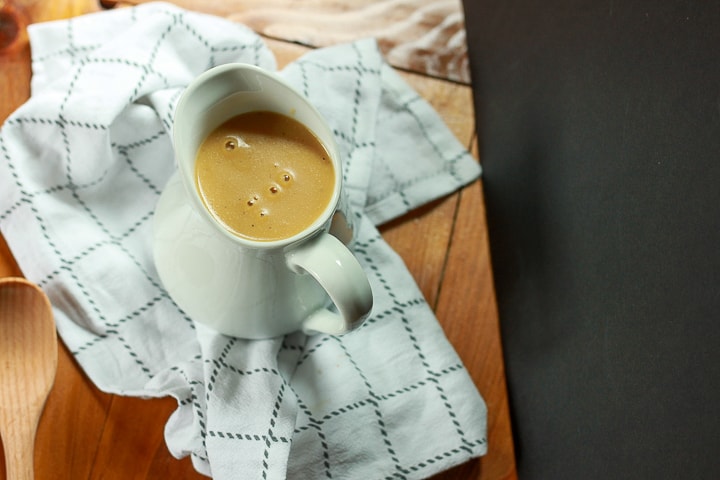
(599, 128)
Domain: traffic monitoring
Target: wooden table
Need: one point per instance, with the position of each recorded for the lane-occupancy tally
(85, 433)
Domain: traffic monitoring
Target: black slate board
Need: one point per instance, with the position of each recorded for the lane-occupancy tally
(599, 132)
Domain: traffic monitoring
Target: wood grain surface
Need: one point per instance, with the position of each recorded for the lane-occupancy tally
(424, 36)
(28, 358)
(87, 434)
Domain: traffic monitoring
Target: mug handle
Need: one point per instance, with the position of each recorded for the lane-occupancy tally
(337, 270)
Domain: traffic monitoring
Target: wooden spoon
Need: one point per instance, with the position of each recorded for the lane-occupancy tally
(28, 361)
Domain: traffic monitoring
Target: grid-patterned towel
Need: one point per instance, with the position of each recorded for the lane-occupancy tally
(82, 165)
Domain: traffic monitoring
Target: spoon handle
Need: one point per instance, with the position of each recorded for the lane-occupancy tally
(18, 435)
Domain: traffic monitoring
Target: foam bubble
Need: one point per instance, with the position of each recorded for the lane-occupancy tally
(233, 141)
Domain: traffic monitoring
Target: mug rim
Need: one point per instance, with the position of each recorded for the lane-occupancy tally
(191, 190)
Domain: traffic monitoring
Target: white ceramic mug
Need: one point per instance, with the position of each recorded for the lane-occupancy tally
(241, 287)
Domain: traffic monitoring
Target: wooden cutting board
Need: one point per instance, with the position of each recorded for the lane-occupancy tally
(85, 433)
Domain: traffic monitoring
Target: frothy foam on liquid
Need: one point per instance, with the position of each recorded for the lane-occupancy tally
(264, 176)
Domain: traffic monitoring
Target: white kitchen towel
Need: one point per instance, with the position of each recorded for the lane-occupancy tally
(82, 165)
